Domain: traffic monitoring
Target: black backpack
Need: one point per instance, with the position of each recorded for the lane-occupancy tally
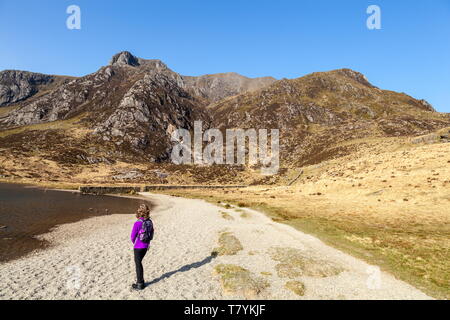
(147, 231)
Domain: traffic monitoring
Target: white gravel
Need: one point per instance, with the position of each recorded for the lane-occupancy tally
(93, 259)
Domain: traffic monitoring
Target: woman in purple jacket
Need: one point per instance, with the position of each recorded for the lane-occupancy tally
(140, 247)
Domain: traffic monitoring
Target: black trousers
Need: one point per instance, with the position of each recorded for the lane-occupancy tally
(139, 254)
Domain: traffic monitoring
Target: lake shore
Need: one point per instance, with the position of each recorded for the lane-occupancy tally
(200, 251)
(28, 211)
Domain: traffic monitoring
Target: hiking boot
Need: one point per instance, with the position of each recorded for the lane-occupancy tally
(138, 286)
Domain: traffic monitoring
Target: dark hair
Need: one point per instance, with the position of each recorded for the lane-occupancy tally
(143, 212)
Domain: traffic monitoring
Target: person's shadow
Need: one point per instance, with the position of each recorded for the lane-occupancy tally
(185, 268)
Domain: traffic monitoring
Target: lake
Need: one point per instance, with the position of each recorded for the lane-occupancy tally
(28, 211)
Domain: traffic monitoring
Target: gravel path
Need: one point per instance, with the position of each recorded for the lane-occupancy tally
(92, 259)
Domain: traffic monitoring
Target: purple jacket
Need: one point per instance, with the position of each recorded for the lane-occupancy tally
(138, 244)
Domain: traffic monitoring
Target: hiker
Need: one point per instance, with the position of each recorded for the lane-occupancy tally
(141, 235)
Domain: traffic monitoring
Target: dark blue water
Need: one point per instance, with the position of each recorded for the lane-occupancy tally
(27, 211)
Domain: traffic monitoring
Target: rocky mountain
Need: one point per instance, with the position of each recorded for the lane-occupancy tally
(131, 103)
(215, 87)
(127, 110)
(148, 112)
(319, 98)
(318, 111)
(97, 91)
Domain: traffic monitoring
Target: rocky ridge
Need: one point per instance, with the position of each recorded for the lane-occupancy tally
(130, 107)
(16, 86)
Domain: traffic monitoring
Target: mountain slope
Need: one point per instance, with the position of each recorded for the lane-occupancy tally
(126, 111)
(130, 106)
(316, 112)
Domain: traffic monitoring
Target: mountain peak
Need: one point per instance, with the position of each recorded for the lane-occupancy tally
(355, 75)
(125, 58)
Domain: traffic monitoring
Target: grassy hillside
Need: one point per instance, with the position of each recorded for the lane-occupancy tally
(388, 204)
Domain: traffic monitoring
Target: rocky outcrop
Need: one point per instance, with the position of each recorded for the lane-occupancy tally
(124, 58)
(215, 87)
(442, 136)
(109, 190)
(147, 113)
(356, 76)
(64, 101)
(128, 175)
(16, 86)
(426, 105)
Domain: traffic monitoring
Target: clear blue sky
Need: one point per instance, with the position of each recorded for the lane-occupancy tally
(281, 38)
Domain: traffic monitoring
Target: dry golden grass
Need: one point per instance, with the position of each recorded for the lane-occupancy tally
(67, 125)
(389, 205)
(38, 170)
